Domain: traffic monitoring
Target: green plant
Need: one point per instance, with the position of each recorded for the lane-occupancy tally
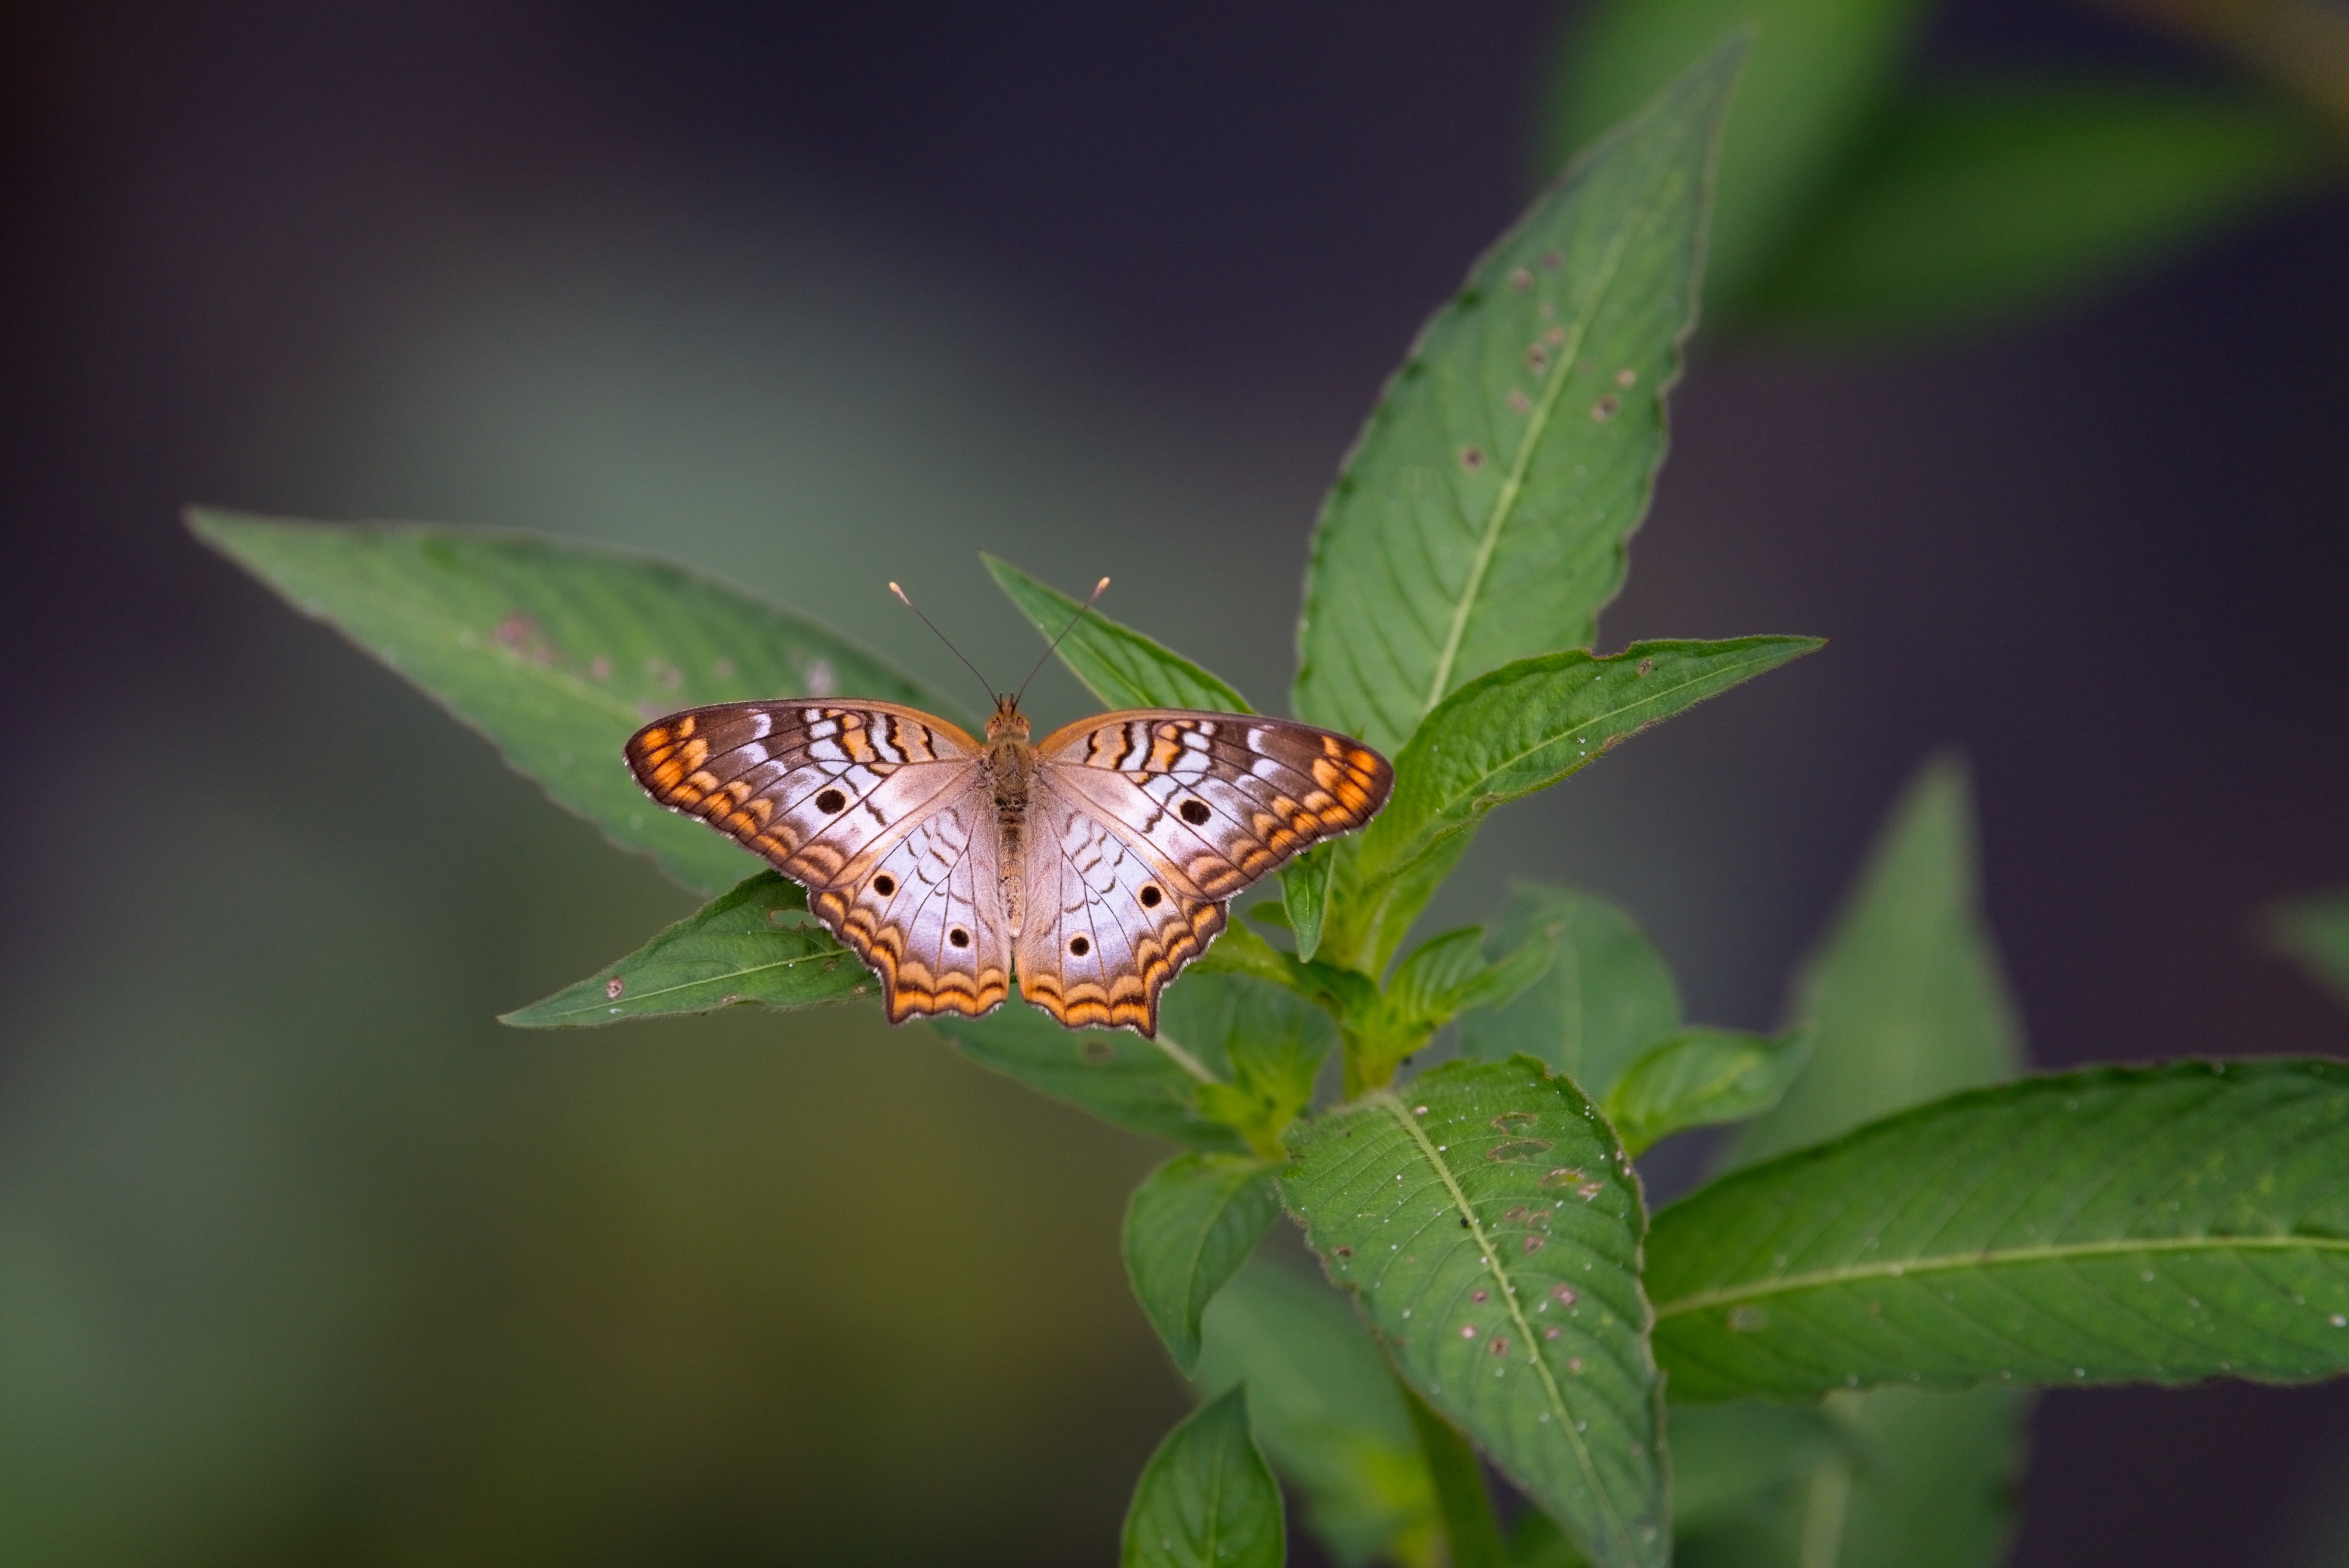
(1907, 1238)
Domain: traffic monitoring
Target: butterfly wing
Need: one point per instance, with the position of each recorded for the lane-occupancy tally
(878, 810)
(1192, 807)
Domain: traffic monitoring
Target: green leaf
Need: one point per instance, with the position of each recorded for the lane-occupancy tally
(1482, 513)
(1274, 1040)
(753, 944)
(1904, 997)
(1206, 1498)
(1328, 1411)
(2120, 1224)
(1116, 1074)
(1117, 664)
(1305, 895)
(1820, 73)
(1982, 200)
(1917, 1480)
(1491, 1226)
(2314, 932)
(1522, 727)
(556, 652)
(1703, 1078)
(1607, 996)
(1190, 1225)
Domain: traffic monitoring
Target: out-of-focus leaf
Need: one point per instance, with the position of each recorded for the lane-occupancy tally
(1608, 995)
(2314, 932)
(1921, 1480)
(1491, 1226)
(1471, 1537)
(2162, 1224)
(753, 944)
(1905, 1002)
(1703, 1078)
(1482, 515)
(1904, 998)
(1733, 1459)
(1117, 664)
(1820, 72)
(1191, 1223)
(1206, 1498)
(556, 652)
(1328, 1412)
(1115, 1073)
(1522, 727)
(1977, 201)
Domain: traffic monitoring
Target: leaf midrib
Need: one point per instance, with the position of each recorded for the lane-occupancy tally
(1505, 503)
(1821, 1279)
(1526, 1336)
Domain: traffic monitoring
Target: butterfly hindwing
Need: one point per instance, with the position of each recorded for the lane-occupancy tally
(1105, 925)
(1204, 805)
(874, 808)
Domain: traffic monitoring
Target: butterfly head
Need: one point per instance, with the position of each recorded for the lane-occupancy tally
(1007, 723)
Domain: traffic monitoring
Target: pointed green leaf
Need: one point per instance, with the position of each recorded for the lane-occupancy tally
(2314, 932)
(1206, 1498)
(2120, 1224)
(1305, 885)
(1914, 1480)
(556, 652)
(1492, 1227)
(1327, 1410)
(753, 944)
(1808, 99)
(1607, 996)
(1115, 1073)
(1985, 200)
(1482, 513)
(1701, 1078)
(1520, 729)
(1904, 998)
(1117, 664)
(1191, 1223)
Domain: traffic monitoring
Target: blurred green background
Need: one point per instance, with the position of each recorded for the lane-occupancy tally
(304, 1260)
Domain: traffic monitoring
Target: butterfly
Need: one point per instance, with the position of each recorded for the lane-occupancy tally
(1095, 865)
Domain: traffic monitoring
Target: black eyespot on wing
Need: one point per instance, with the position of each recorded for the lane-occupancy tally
(1080, 946)
(959, 937)
(830, 802)
(1196, 812)
(1151, 896)
(884, 884)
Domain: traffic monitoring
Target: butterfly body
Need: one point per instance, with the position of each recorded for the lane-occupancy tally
(1093, 864)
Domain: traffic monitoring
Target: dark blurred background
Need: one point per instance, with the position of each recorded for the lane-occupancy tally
(303, 1260)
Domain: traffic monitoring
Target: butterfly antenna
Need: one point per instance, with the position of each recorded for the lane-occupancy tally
(942, 636)
(1099, 588)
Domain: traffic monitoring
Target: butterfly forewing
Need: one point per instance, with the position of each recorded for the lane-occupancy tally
(877, 809)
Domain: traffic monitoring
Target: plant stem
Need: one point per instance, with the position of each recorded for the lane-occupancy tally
(1461, 1504)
